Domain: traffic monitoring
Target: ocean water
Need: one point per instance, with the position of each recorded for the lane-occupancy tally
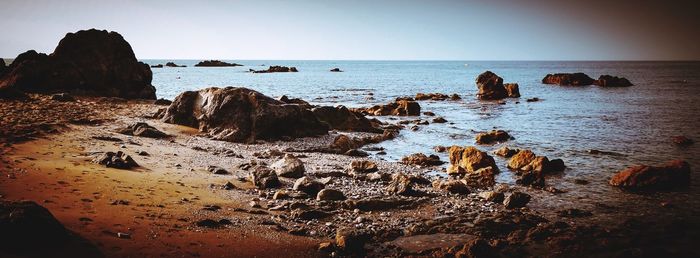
(635, 122)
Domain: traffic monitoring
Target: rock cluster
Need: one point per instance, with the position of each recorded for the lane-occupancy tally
(342, 118)
(215, 63)
(491, 87)
(420, 159)
(582, 79)
(277, 69)
(532, 168)
(400, 107)
(436, 96)
(117, 160)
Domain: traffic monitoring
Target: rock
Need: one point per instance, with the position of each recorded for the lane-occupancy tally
(492, 196)
(62, 97)
(455, 97)
(330, 195)
(420, 159)
(289, 166)
(535, 99)
(516, 200)
(217, 170)
(568, 79)
(351, 240)
(264, 177)
(401, 107)
(162, 102)
(376, 204)
(521, 159)
(229, 186)
(531, 178)
(512, 90)
(356, 153)
(310, 214)
(117, 160)
(242, 115)
(326, 247)
(505, 152)
(363, 166)
(269, 153)
(337, 70)
(277, 69)
(673, 175)
(308, 186)
(452, 186)
(481, 178)
(3, 67)
(682, 140)
(440, 149)
(171, 64)
(490, 86)
(439, 120)
(469, 159)
(432, 96)
(210, 223)
(157, 66)
(539, 164)
(492, 136)
(87, 62)
(612, 81)
(402, 184)
(143, 130)
(215, 63)
(555, 165)
(341, 118)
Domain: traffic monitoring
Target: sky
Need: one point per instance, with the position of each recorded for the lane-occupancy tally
(367, 29)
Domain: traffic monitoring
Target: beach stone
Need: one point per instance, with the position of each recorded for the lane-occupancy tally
(505, 152)
(342, 118)
(351, 240)
(217, 170)
(117, 160)
(87, 62)
(421, 159)
(376, 204)
(452, 186)
(330, 195)
(512, 90)
(673, 175)
(516, 200)
(309, 214)
(143, 130)
(492, 196)
(242, 115)
(289, 166)
(612, 81)
(492, 136)
(481, 178)
(400, 107)
(468, 159)
(490, 86)
(308, 186)
(215, 63)
(568, 79)
(402, 184)
(363, 166)
(264, 177)
(521, 159)
(431, 96)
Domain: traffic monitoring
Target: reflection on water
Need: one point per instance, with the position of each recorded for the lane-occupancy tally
(635, 122)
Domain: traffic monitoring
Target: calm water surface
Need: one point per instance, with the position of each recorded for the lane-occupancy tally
(635, 122)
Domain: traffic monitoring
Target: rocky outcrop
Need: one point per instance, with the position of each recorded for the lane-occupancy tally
(612, 81)
(88, 62)
(491, 87)
(492, 137)
(171, 64)
(344, 119)
(215, 63)
(242, 115)
(468, 159)
(673, 175)
(400, 107)
(277, 69)
(568, 79)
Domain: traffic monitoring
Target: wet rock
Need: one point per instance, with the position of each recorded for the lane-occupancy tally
(439, 120)
(157, 66)
(420, 159)
(171, 64)
(308, 186)
(531, 178)
(351, 240)
(492, 136)
(87, 62)
(673, 175)
(468, 159)
(401, 107)
(452, 186)
(277, 69)
(481, 178)
(568, 79)
(337, 70)
(682, 140)
(289, 166)
(555, 165)
(432, 96)
(342, 118)
(217, 170)
(516, 200)
(162, 102)
(505, 152)
(62, 97)
(143, 130)
(521, 159)
(440, 149)
(612, 81)
(242, 115)
(512, 90)
(117, 160)
(264, 177)
(492, 196)
(215, 63)
(363, 166)
(356, 153)
(330, 195)
(490, 86)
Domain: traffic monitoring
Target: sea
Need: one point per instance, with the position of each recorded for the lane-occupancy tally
(634, 124)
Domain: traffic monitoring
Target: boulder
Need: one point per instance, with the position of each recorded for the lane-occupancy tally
(363, 166)
(568, 79)
(217, 170)
(342, 118)
(673, 175)
(289, 166)
(401, 107)
(308, 186)
(521, 159)
(481, 178)
(516, 200)
(452, 186)
(526, 160)
(242, 115)
(330, 195)
(143, 130)
(215, 63)
(512, 90)
(439, 120)
(277, 69)
(612, 81)
(264, 177)
(492, 196)
(490, 86)
(492, 136)
(421, 159)
(469, 159)
(117, 160)
(402, 184)
(87, 62)
(505, 152)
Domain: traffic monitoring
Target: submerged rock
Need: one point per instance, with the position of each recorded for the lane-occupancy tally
(289, 166)
(87, 62)
(468, 159)
(492, 136)
(171, 64)
(421, 159)
(117, 160)
(675, 174)
(242, 115)
(568, 79)
(436, 96)
(337, 70)
(215, 63)
(612, 81)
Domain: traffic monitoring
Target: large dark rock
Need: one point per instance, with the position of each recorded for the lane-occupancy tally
(215, 63)
(490, 86)
(3, 67)
(88, 62)
(612, 81)
(171, 64)
(342, 118)
(568, 79)
(278, 69)
(675, 174)
(242, 115)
